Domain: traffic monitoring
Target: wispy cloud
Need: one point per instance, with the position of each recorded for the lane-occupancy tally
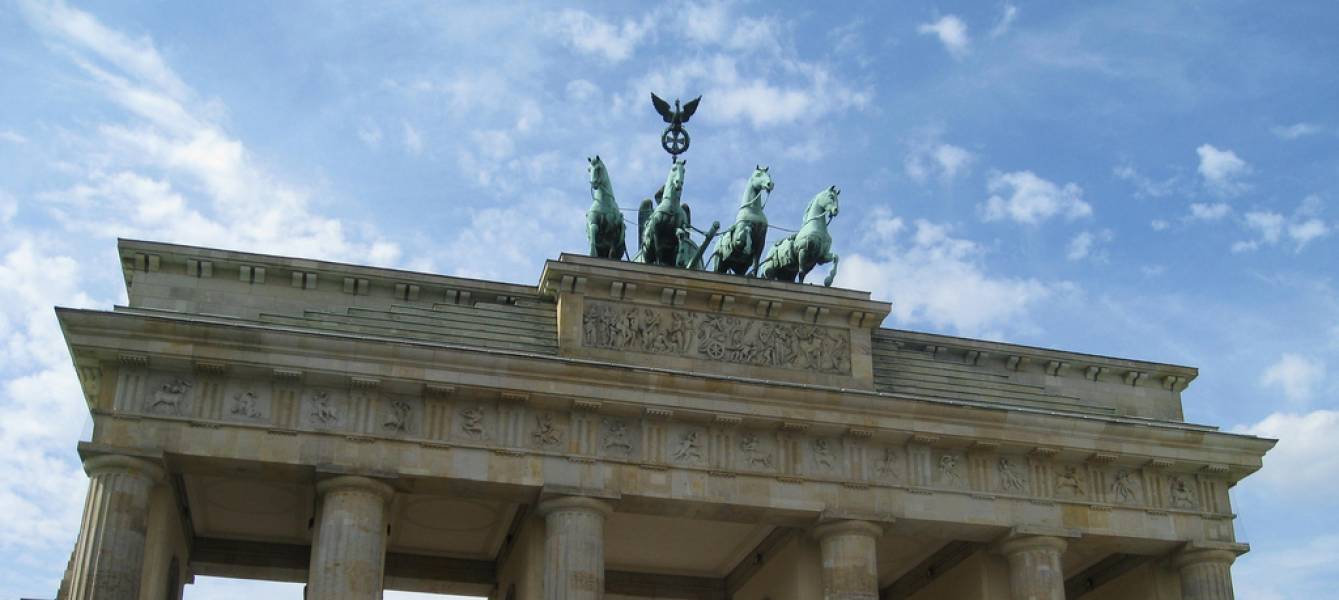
(589, 34)
(1222, 170)
(1088, 244)
(1023, 197)
(951, 32)
(929, 156)
(1269, 228)
(1007, 18)
(934, 278)
(1296, 130)
(176, 173)
(1209, 212)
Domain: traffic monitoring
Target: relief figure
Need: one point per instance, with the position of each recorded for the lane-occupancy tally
(754, 456)
(167, 398)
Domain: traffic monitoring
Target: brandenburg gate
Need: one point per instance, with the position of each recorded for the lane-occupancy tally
(620, 431)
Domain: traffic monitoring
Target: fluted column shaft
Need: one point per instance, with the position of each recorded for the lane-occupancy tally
(109, 556)
(850, 561)
(1206, 574)
(349, 553)
(574, 547)
(1035, 572)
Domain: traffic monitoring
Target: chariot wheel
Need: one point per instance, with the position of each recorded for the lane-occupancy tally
(675, 141)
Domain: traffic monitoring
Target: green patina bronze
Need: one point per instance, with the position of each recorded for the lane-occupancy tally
(798, 253)
(604, 222)
(660, 220)
(665, 226)
(741, 246)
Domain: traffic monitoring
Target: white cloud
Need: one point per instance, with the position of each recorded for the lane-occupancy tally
(41, 485)
(1145, 187)
(1086, 244)
(1268, 224)
(1222, 169)
(589, 34)
(1159, 224)
(952, 33)
(1270, 227)
(1209, 212)
(935, 279)
(929, 156)
(581, 90)
(182, 175)
(1305, 462)
(1006, 21)
(1031, 199)
(1305, 231)
(8, 207)
(740, 89)
(712, 23)
(1296, 130)
(13, 137)
(1297, 375)
(413, 139)
(370, 134)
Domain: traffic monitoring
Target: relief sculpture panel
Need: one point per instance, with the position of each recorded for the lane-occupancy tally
(716, 337)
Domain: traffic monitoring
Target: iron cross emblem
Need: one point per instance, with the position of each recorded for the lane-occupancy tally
(675, 139)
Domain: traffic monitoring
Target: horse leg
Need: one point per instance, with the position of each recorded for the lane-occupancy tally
(593, 234)
(802, 263)
(832, 274)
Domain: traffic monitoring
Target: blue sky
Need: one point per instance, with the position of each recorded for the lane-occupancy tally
(1155, 180)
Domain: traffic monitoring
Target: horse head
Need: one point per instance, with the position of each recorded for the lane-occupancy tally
(760, 181)
(674, 182)
(599, 175)
(824, 205)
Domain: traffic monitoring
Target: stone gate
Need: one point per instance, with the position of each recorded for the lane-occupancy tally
(619, 431)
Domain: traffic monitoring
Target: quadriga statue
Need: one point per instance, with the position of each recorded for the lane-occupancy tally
(604, 222)
(741, 246)
(798, 253)
(661, 220)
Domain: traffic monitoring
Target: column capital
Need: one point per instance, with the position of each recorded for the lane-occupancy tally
(355, 482)
(108, 463)
(1023, 543)
(847, 527)
(574, 503)
(1195, 555)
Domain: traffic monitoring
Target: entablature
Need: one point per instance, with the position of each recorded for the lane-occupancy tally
(196, 369)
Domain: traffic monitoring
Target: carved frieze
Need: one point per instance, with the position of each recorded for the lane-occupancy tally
(169, 397)
(1125, 488)
(472, 422)
(546, 433)
(889, 466)
(1012, 476)
(617, 438)
(823, 455)
(716, 337)
(1180, 494)
(948, 471)
(688, 449)
(1069, 483)
(325, 408)
(756, 456)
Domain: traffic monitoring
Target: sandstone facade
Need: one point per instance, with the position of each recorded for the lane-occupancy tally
(619, 431)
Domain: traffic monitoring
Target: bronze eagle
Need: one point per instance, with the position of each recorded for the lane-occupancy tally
(676, 116)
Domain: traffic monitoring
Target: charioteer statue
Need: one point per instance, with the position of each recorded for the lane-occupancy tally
(665, 227)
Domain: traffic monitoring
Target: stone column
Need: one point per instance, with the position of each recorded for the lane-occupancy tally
(109, 556)
(1205, 573)
(574, 547)
(850, 563)
(1034, 567)
(349, 549)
